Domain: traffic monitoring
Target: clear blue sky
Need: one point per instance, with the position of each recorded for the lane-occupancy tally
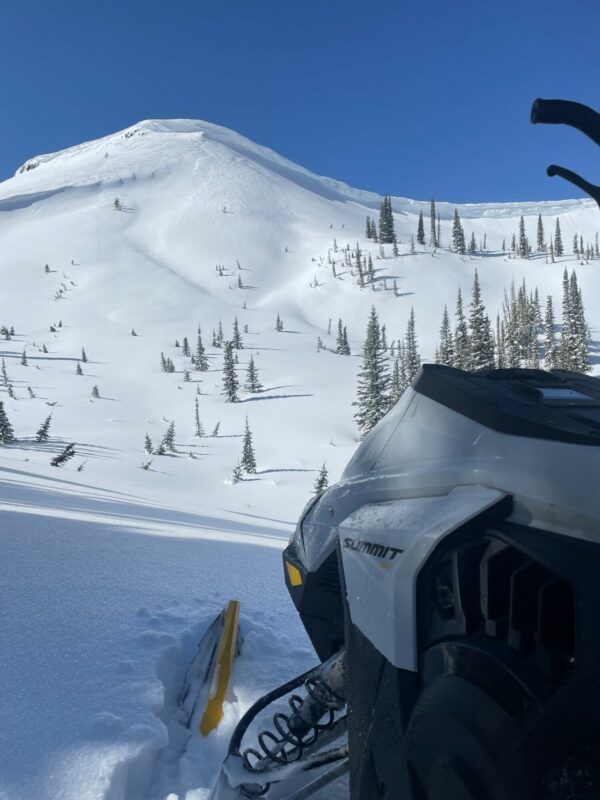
(408, 98)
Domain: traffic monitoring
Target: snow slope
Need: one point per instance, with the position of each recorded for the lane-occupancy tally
(110, 574)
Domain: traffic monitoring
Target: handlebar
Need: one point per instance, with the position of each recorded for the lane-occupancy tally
(585, 119)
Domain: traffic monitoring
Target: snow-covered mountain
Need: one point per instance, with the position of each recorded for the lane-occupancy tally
(109, 571)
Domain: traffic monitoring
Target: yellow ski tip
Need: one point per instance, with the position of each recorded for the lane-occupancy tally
(226, 651)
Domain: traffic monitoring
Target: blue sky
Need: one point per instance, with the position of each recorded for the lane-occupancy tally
(413, 99)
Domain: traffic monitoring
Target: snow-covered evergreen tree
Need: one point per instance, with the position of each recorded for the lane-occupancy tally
(236, 338)
(523, 240)
(558, 243)
(198, 428)
(95, 392)
(252, 384)
(421, 230)
(24, 358)
(462, 343)
(433, 239)
(248, 459)
(200, 359)
(84, 357)
(7, 434)
(168, 440)
(550, 348)
(78, 370)
(44, 429)
(412, 359)
(373, 379)
(458, 235)
(541, 241)
(480, 331)
(148, 447)
(185, 347)
(322, 481)
(386, 221)
(445, 353)
(64, 456)
(230, 379)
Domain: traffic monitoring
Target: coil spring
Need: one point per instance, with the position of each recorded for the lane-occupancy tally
(293, 732)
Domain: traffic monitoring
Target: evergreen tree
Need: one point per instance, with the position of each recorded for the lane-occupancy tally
(199, 430)
(373, 379)
(168, 440)
(95, 392)
(236, 339)
(185, 348)
(31, 392)
(558, 243)
(445, 354)
(84, 357)
(252, 382)
(368, 233)
(24, 358)
(322, 481)
(230, 379)
(248, 460)
(550, 348)
(7, 435)
(370, 270)
(215, 431)
(439, 231)
(64, 456)
(148, 445)
(397, 386)
(411, 355)
(279, 324)
(458, 235)
(575, 245)
(421, 230)
(541, 243)
(78, 370)
(523, 241)
(43, 430)
(472, 245)
(433, 239)
(386, 221)
(462, 344)
(579, 353)
(480, 332)
(200, 359)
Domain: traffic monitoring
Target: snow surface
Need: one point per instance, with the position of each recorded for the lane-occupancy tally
(110, 574)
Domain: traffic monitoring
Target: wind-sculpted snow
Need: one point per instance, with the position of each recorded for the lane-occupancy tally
(110, 572)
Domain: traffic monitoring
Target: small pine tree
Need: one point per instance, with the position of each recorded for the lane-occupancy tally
(523, 240)
(168, 440)
(215, 431)
(373, 379)
(550, 348)
(148, 446)
(95, 392)
(199, 429)
(236, 338)
(458, 235)
(31, 392)
(462, 344)
(558, 242)
(421, 230)
(7, 434)
(322, 481)
(84, 357)
(185, 347)
(200, 359)
(43, 431)
(412, 359)
(78, 370)
(541, 243)
(279, 324)
(133, 333)
(236, 474)
(482, 340)
(433, 239)
(186, 376)
(386, 221)
(252, 384)
(44, 349)
(24, 358)
(64, 456)
(445, 353)
(248, 460)
(230, 379)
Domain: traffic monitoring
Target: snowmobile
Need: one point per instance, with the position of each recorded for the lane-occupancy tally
(449, 586)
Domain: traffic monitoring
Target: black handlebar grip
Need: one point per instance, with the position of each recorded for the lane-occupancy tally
(576, 180)
(566, 112)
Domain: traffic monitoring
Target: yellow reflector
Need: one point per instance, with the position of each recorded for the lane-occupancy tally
(293, 574)
(225, 655)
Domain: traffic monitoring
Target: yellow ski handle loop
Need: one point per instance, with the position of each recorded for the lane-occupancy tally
(224, 664)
